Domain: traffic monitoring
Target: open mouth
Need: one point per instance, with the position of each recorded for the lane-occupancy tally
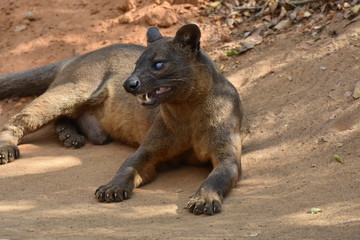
(151, 97)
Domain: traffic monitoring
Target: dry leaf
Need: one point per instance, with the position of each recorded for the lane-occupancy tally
(273, 5)
(315, 211)
(356, 93)
(356, 9)
(338, 145)
(282, 13)
(307, 14)
(253, 39)
(283, 24)
(338, 158)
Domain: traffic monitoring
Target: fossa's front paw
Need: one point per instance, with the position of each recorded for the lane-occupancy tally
(205, 202)
(112, 193)
(8, 153)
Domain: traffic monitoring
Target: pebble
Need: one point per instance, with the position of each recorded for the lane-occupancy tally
(30, 16)
(20, 28)
(347, 94)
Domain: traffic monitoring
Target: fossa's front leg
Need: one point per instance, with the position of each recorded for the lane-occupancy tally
(49, 106)
(226, 173)
(130, 175)
(140, 168)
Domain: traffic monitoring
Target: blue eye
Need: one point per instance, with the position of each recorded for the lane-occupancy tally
(159, 65)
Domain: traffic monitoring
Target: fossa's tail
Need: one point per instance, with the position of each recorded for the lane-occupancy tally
(30, 82)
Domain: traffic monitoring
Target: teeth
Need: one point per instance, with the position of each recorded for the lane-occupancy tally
(140, 98)
(147, 99)
(162, 90)
(144, 98)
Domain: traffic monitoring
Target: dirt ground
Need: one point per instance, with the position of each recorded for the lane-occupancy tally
(299, 112)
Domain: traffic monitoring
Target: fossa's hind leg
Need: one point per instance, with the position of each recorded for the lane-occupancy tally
(72, 132)
(68, 133)
(90, 127)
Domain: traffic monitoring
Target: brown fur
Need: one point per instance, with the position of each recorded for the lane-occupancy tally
(192, 113)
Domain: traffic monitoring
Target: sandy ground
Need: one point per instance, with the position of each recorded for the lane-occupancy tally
(295, 91)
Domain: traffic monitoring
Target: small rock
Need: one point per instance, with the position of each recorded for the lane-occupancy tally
(126, 5)
(76, 52)
(20, 28)
(24, 100)
(94, 11)
(161, 17)
(223, 57)
(30, 16)
(322, 68)
(347, 94)
(126, 18)
(27, 22)
(18, 106)
(332, 117)
(225, 37)
(179, 190)
(246, 34)
(192, 2)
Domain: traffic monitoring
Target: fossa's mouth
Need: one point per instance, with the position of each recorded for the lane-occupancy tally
(149, 99)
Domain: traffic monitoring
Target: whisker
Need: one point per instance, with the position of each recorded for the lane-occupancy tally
(175, 79)
(176, 70)
(179, 69)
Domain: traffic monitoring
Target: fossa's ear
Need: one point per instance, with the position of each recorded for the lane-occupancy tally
(188, 35)
(153, 34)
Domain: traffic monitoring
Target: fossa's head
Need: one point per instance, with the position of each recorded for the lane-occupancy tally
(165, 70)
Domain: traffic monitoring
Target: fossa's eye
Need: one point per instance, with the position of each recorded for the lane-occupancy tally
(159, 65)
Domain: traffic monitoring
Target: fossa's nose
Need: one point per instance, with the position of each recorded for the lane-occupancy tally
(132, 85)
